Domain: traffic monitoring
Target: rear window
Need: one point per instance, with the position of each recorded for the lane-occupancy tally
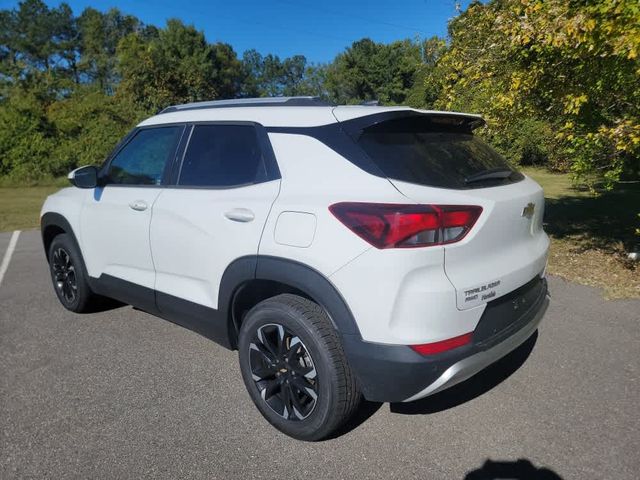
(420, 150)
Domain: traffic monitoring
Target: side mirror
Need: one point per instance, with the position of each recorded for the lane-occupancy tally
(84, 177)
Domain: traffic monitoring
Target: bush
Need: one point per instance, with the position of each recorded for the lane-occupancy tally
(87, 127)
(39, 142)
(526, 141)
(25, 138)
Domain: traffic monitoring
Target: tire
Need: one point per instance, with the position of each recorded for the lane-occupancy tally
(294, 368)
(68, 275)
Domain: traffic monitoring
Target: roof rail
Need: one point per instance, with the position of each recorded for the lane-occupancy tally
(251, 102)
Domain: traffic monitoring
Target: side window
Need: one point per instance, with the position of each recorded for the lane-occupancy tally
(222, 156)
(142, 160)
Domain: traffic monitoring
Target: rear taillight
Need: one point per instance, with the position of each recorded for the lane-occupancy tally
(386, 225)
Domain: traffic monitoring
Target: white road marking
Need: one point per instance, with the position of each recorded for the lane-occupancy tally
(7, 255)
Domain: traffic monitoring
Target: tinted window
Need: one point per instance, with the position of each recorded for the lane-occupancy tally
(418, 150)
(142, 160)
(222, 156)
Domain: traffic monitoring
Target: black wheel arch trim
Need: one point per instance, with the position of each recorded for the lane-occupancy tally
(288, 272)
(52, 219)
(318, 287)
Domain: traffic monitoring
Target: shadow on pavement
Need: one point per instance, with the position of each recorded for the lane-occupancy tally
(452, 397)
(104, 304)
(521, 469)
(364, 412)
(474, 387)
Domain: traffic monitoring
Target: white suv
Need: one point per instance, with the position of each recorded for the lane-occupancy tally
(346, 252)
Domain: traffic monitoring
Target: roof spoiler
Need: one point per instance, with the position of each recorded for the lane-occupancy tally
(453, 120)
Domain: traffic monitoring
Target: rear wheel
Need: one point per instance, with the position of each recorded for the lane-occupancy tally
(294, 367)
(68, 277)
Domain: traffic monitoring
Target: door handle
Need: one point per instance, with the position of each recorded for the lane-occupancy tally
(240, 215)
(139, 205)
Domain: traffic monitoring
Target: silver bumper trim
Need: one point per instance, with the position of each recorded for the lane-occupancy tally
(467, 367)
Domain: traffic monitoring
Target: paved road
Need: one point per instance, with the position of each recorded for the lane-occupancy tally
(121, 394)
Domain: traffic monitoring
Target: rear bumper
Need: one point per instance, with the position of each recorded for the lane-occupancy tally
(395, 373)
(469, 366)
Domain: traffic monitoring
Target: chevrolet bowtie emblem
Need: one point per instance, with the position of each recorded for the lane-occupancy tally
(528, 210)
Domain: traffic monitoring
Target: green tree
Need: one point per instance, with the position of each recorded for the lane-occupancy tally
(427, 81)
(560, 79)
(100, 34)
(374, 71)
(313, 82)
(175, 65)
(37, 67)
(36, 39)
(26, 136)
(87, 127)
(228, 71)
(270, 76)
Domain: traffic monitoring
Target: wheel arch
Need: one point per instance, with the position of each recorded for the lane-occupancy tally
(249, 280)
(53, 224)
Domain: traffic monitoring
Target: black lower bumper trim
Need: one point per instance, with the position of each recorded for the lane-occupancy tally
(393, 373)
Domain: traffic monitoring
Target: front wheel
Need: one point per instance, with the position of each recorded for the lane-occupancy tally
(294, 368)
(68, 277)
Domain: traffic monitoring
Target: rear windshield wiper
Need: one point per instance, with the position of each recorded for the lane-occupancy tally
(490, 174)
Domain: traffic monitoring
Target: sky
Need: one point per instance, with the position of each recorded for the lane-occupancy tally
(318, 30)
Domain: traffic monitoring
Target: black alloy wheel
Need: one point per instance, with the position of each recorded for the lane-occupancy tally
(283, 371)
(295, 369)
(64, 275)
(69, 277)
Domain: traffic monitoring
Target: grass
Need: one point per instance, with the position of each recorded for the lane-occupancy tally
(592, 235)
(556, 185)
(20, 206)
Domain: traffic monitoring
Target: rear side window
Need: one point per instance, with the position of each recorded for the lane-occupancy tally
(143, 159)
(419, 150)
(220, 156)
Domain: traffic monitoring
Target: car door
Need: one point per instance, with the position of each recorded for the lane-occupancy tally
(214, 214)
(115, 220)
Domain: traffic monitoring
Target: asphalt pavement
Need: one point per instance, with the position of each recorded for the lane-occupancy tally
(122, 394)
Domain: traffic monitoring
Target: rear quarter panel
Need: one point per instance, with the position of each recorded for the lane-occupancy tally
(313, 178)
